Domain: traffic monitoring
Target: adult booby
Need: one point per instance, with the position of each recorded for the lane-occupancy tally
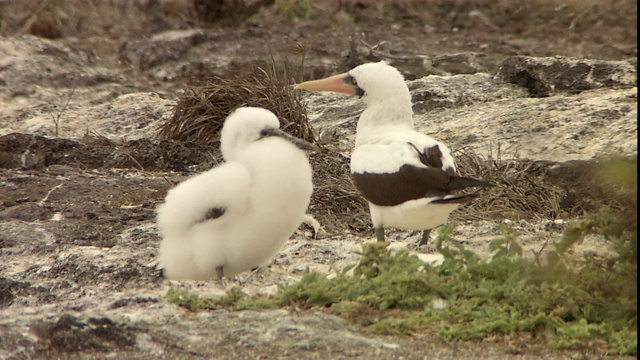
(238, 215)
(409, 179)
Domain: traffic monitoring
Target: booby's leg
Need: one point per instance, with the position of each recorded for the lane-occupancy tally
(220, 272)
(380, 233)
(425, 237)
(220, 275)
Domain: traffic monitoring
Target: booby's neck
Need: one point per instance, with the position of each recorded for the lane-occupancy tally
(390, 115)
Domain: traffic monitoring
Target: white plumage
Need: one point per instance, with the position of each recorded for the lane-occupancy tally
(237, 215)
(408, 178)
(387, 154)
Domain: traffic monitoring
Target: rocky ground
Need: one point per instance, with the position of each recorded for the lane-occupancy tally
(81, 169)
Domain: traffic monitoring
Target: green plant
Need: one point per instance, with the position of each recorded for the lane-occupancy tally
(588, 305)
(507, 245)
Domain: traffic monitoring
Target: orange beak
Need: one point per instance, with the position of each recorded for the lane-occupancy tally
(337, 83)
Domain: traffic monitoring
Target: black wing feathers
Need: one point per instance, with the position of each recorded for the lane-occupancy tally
(432, 157)
(412, 182)
(212, 213)
(408, 183)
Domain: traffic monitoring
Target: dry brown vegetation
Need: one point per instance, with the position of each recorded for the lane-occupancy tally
(536, 190)
(200, 111)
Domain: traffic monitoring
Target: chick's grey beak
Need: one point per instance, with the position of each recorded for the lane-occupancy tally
(304, 145)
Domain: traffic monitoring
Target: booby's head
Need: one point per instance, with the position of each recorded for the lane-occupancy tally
(372, 82)
(248, 124)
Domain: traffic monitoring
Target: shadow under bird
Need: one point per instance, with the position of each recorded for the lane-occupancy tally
(409, 179)
(238, 215)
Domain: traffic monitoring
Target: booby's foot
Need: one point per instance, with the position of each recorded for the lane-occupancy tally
(380, 233)
(425, 237)
(222, 283)
(220, 280)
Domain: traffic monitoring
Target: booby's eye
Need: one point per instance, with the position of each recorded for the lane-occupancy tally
(351, 80)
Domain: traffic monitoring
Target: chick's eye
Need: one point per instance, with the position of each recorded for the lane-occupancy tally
(351, 80)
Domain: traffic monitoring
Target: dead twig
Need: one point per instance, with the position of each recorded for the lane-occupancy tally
(135, 161)
(56, 119)
(537, 254)
(46, 197)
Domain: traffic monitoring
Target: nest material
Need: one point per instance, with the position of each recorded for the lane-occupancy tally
(200, 112)
(535, 190)
(610, 181)
(521, 190)
(335, 202)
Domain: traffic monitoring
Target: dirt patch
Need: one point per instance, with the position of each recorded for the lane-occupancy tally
(25, 151)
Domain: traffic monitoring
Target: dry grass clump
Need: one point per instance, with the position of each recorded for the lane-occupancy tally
(521, 191)
(335, 202)
(200, 112)
(589, 185)
(536, 190)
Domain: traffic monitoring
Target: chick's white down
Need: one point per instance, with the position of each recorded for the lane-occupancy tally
(262, 190)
